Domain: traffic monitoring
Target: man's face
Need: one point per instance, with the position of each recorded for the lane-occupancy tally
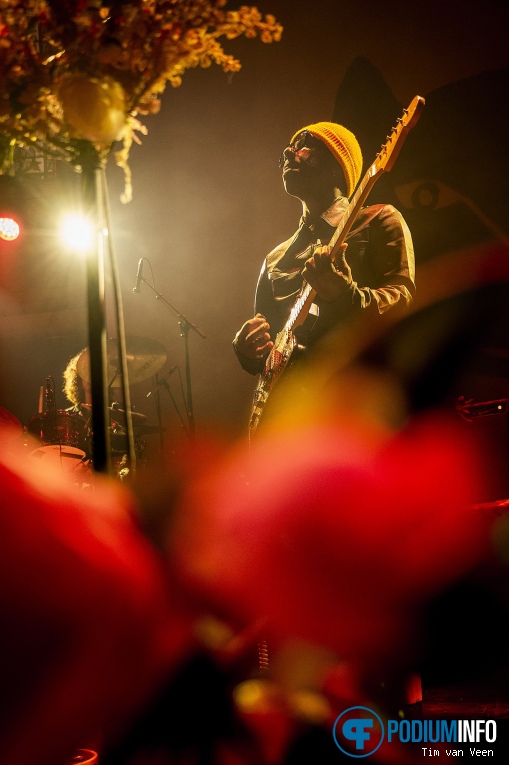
(307, 166)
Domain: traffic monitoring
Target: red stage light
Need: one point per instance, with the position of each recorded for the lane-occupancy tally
(9, 229)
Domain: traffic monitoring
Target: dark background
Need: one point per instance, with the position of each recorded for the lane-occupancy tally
(208, 200)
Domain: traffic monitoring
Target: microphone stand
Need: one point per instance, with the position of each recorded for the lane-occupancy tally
(158, 412)
(164, 384)
(185, 325)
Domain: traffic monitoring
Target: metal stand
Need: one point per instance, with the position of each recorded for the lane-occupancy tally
(94, 210)
(185, 326)
(158, 412)
(184, 332)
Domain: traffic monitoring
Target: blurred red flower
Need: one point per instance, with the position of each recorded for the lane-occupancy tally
(335, 536)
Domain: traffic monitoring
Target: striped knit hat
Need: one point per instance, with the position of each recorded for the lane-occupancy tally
(343, 145)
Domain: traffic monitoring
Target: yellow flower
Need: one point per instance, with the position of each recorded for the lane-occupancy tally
(84, 82)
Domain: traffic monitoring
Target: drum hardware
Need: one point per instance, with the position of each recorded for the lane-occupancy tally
(120, 414)
(119, 459)
(117, 414)
(66, 436)
(57, 435)
(50, 395)
(63, 437)
(143, 357)
(118, 437)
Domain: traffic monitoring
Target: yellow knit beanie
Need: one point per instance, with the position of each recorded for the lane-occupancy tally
(343, 145)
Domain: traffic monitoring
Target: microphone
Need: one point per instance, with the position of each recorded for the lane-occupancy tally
(139, 275)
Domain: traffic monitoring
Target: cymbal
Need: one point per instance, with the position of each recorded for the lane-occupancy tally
(144, 358)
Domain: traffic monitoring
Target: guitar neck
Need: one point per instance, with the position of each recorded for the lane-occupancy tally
(353, 209)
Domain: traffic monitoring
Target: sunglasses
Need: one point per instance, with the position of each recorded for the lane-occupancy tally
(304, 140)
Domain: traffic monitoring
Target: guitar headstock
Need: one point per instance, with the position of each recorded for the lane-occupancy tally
(387, 155)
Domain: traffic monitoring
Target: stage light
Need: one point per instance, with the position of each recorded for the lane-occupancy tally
(77, 233)
(9, 229)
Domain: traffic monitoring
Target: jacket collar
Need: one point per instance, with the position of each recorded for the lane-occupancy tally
(332, 215)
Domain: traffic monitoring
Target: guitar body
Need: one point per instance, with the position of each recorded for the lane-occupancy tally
(277, 361)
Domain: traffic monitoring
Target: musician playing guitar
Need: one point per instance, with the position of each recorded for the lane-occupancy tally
(373, 270)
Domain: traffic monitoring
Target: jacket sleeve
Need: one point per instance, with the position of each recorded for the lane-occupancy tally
(263, 305)
(385, 275)
(253, 366)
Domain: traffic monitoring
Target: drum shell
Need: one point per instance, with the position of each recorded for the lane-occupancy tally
(60, 428)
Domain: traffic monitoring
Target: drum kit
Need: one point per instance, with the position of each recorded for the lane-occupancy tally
(65, 437)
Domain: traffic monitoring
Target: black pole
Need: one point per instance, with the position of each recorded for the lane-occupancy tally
(184, 332)
(94, 211)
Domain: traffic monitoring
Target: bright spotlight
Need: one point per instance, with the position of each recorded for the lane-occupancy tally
(9, 229)
(77, 233)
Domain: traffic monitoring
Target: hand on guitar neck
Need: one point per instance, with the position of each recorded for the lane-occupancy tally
(329, 276)
(253, 339)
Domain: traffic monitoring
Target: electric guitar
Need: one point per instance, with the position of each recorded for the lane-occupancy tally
(285, 342)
